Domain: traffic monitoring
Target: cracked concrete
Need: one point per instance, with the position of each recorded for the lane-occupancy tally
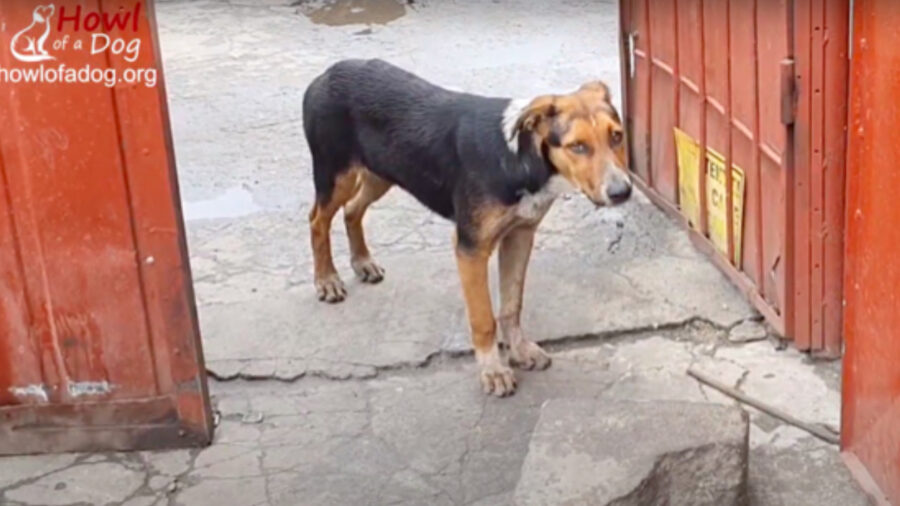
(429, 436)
(378, 402)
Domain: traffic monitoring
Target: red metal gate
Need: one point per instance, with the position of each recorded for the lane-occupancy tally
(757, 92)
(871, 394)
(99, 344)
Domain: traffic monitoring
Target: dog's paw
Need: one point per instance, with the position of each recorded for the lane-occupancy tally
(499, 381)
(528, 355)
(367, 270)
(331, 289)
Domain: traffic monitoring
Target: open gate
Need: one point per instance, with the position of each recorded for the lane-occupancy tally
(870, 432)
(99, 343)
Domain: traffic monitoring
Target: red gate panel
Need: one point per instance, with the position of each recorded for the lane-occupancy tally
(735, 77)
(870, 430)
(99, 345)
(663, 58)
(638, 96)
(816, 196)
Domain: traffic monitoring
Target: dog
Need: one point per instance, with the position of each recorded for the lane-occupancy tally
(28, 44)
(493, 166)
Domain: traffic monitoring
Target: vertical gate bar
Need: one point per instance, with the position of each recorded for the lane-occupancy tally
(649, 113)
(790, 305)
(798, 179)
(641, 87)
(127, 183)
(169, 280)
(789, 163)
(817, 168)
(704, 101)
(676, 84)
(729, 200)
(757, 168)
(835, 93)
(625, 49)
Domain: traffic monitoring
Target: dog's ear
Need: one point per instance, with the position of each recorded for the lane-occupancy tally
(534, 115)
(599, 88)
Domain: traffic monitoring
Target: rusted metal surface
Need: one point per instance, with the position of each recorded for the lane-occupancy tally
(871, 392)
(733, 76)
(99, 344)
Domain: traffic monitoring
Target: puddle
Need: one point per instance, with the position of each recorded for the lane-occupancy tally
(234, 203)
(353, 12)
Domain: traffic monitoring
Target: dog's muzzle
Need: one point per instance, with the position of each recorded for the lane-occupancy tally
(617, 187)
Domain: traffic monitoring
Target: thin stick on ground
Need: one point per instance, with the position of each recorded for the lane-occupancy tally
(816, 430)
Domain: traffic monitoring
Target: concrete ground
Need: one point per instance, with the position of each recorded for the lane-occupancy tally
(376, 401)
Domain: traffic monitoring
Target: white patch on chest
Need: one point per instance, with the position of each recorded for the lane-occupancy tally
(511, 116)
(533, 206)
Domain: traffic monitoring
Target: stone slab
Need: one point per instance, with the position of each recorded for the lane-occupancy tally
(636, 453)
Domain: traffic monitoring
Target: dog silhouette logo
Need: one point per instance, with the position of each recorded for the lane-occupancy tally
(28, 45)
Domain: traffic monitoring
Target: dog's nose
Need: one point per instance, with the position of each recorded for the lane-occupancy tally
(618, 190)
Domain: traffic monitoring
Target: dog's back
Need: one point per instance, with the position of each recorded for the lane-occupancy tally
(401, 127)
(377, 92)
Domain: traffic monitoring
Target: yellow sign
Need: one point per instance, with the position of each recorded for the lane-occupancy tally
(717, 203)
(688, 177)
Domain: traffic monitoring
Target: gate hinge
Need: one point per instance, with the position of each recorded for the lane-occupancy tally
(788, 92)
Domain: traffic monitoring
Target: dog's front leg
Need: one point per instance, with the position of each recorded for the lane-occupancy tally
(496, 376)
(515, 251)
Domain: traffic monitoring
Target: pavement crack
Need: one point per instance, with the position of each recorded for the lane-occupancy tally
(364, 372)
(175, 488)
(267, 487)
(740, 382)
(614, 243)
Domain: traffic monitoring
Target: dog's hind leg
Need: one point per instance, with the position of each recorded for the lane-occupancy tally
(513, 256)
(329, 286)
(370, 189)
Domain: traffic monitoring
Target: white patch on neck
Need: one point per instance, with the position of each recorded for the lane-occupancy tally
(533, 206)
(511, 116)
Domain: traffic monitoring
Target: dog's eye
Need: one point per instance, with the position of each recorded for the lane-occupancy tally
(579, 148)
(615, 138)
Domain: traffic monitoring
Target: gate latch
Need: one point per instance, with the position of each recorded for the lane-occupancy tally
(632, 37)
(788, 95)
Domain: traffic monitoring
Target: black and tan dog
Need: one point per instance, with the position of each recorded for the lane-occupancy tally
(491, 165)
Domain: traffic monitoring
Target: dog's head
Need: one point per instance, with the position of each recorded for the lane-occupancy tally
(43, 13)
(581, 136)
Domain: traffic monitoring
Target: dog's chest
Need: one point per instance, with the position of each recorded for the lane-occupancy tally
(533, 206)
